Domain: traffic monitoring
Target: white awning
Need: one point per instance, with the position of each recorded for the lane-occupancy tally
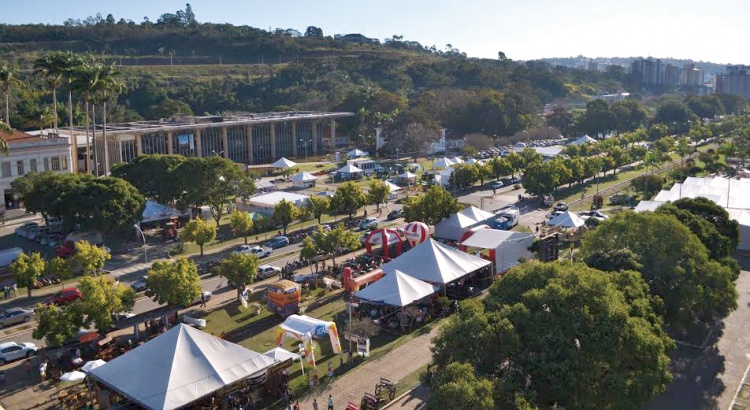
(436, 263)
(397, 289)
(284, 163)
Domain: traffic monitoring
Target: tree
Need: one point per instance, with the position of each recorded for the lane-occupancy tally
(214, 181)
(313, 31)
(284, 213)
(457, 386)
(27, 269)
(600, 345)
(484, 171)
(718, 245)
(516, 163)
(198, 231)
(8, 80)
(648, 184)
(715, 215)
(153, 175)
(333, 242)
(101, 297)
(309, 248)
(614, 260)
(348, 198)
(464, 175)
(61, 268)
(319, 204)
(500, 166)
(175, 283)
(239, 270)
(52, 66)
(675, 265)
(431, 207)
(90, 258)
(676, 113)
(58, 325)
(378, 193)
(241, 223)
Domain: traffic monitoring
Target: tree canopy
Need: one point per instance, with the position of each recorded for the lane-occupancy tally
(348, 198)
(431, 207)
(242, 223)
(198, 231)
(175, 283)
(240, 270)
(284, 213)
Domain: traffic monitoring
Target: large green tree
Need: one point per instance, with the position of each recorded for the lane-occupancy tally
(713, 213)
(101, 297)
(284, 213)
(562, 334)
(334, 241)
(431, 207)
(242, 223)
(319, 205)
(348, 198)
(175, 283)
(27, 269)
(154, 176)
(675, 265)
(90, 258)
(58, 324)
(8, 80)
(377, 193)
(240, 270)
(457, 386)
(198, 231)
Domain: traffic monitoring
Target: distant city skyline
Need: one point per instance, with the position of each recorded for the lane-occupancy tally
(532, 29)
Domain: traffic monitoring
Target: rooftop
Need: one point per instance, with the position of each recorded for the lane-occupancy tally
(200, 122)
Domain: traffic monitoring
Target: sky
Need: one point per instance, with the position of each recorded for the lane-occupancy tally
(522, 29)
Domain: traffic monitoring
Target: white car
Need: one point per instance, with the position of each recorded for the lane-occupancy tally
(21, 230)
(11, 351)
(267, 271)
(258, 251)
(595, 214)
(139, 285)
(204, 294)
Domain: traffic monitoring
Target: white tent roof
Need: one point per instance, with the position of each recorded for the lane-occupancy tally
(454, 226)
(301, 324)
(303, 177)
(583, 140)
(443, 163)
(392, 187)
(397, 289)
(457, 160)
(349, 169)
(270, 200)
(280, 354)
(648, 206)
(155, 211)
(356, 153)
(477, 214)
(434, 262)
(179, 367)
(407, 174)
(509, 246)
(567, 219)
(283, 163)
(471, 161)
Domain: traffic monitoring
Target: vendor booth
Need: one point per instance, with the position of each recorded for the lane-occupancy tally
(567, 220)
(435, 263)
(392, 189)
(304, 329)
(284, 163)
(180, 367)
(303, 180)
(503, 248)
(396, 289)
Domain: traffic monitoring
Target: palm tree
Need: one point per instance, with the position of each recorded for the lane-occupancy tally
(5, 128)
(44, 117)
(111, 85)
(8, 80)
(71, 63)
(52, 67)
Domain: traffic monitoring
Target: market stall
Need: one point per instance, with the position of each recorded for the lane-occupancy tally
(503, 248)
(436, 263)
(396, 289)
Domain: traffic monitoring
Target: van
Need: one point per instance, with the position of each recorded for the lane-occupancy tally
(513, 215)
(204, 212)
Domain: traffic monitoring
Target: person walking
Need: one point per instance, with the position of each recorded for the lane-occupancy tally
(203, 299)
(330, 402)
(315, 404)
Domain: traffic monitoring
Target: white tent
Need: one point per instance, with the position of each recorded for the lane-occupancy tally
(436, 263)
(477, 214)
(509, 246)
(154, 212)
(349, 169)
(356, 153)
(454, 226)
(443, 163)
(471, 161)
(281, 354)
(397, 289)
(583, 140)
(303, 179)
(392, 187)
(567, 219)
(283, 163)
(179, 367)
(407, 175)
(457, 160)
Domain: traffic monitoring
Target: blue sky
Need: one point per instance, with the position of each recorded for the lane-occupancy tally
(523, 29)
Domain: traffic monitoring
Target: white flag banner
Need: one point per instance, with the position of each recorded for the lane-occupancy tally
(243, 298)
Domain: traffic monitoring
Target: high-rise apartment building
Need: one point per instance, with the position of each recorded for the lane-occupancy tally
(735, 81)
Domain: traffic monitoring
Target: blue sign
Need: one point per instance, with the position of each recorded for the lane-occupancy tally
(185, 141)
(321, 330)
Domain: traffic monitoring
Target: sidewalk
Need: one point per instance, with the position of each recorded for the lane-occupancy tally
(394, 365)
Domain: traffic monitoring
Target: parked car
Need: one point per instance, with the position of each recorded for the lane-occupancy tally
(594, 214)
(497, 185)
(35, 234)
(55, 222)
(64, 296)
(204, 294)
(278, 242)
(140, 284)
(54, 240)
(561, 206)
(253, 250)
(122, 316)
(370, 222)
(15, 316)
(21, 230)
(267, 271)
(10, 351)
(394, 215)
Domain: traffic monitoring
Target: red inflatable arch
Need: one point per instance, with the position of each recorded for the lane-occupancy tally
(384, 237)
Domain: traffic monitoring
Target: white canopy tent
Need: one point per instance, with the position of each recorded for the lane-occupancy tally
(583, 140)
(454, 226)
(356, 153)
(284, 163)
(396, 289)
(567, 219)
(349, 169)
(508, 246)
(443, 163)
(471, 161)
(457, 160)
(154, 212)
(407, 175)
(477, 214)
(179, 367)
(303, 179)
(281, 354)
(436, 263)
(392, 187)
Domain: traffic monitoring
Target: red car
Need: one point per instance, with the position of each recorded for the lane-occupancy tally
(65, 296)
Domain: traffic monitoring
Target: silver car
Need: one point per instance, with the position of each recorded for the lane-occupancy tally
(14, 316)
(11, 351)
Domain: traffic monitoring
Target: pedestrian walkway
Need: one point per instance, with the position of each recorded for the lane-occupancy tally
(394, 365)
(414, 399)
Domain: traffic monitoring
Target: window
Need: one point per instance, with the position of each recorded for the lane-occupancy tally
(55, 163)
(46, 164)
(6, 169)
(64, 160)
(19, 167)
(32, 165)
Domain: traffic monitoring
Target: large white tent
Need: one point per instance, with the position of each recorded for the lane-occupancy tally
(284, 163)
(477, 214)
(436, 263)
(583, 140)
(508, 246)
(303, 179)
(567, 219)
(356, 153)
(443, 163)
(454, 226)
(392, 187)
(179, 367)
(397, 289)
(349, 169)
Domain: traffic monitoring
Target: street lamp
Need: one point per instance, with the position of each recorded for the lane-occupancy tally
(304, 145)
(145, 251)
(218, 154)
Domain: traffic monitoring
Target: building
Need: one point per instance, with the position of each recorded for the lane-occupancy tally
(735, 81)
(27, 153)
(244, 138)
(671, 75)
(611, 98)
(648, 71)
